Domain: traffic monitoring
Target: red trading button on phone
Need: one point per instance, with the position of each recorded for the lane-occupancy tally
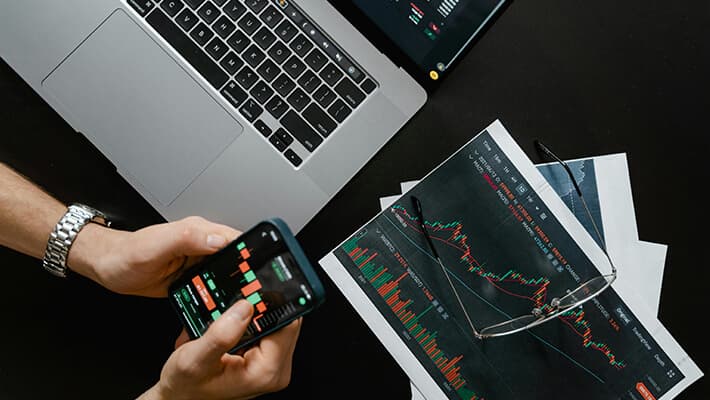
(643, 390)
(204, 294)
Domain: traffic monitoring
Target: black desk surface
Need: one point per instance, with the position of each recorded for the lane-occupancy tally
(589, 78)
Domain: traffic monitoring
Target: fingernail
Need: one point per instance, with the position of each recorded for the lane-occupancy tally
(216, 241)
(242, 309)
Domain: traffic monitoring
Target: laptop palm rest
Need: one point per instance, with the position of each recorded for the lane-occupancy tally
(140, 108)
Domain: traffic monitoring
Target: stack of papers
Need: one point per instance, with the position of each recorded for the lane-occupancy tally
(511, 233)
(606, 186)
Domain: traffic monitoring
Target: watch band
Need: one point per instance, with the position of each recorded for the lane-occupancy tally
(64, 233)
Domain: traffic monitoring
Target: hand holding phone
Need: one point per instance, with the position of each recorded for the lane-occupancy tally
(265, 266)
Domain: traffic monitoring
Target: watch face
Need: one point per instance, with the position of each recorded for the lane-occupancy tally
(94, 215)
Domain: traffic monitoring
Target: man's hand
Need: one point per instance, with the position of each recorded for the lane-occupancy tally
(202, 369)
(145, 262)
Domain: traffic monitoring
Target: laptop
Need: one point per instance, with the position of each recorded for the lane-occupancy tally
(238, 110)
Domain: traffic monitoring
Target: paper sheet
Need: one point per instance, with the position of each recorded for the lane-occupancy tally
(645, 260)
(634, 305)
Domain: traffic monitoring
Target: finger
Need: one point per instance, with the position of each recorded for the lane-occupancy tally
(223, 334)
(277, 347)
(192, 236)
(182, 339)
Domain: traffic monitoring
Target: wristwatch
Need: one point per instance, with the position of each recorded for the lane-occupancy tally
(64, 233)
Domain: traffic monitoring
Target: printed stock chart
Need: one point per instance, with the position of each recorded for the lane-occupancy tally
(506, 253)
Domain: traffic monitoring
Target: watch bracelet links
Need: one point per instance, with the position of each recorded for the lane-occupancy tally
(62, 238)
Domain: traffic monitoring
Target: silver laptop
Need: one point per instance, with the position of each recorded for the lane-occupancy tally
(238, 110)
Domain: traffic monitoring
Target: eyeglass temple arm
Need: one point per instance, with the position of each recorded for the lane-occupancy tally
(420, 216)
(541, 146)
(549, 153)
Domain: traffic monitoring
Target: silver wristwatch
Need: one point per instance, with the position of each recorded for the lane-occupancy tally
(64, 233)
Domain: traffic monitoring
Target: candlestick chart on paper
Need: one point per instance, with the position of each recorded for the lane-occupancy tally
(506, 253)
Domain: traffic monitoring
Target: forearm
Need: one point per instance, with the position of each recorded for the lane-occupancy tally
(28, 215)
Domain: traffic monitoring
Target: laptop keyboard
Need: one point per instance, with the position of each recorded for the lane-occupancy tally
(270, 62)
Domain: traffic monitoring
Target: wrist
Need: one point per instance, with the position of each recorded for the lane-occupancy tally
(154, 393)
(91, 246)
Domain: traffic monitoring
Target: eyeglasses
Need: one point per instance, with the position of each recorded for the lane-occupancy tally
(547, 312)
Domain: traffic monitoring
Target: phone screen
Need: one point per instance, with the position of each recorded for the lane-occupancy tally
(258, 267)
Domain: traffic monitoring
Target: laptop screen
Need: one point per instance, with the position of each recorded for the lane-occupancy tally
(433, 33)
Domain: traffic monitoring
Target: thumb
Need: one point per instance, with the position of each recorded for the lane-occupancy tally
(223, 334)
(191, 236)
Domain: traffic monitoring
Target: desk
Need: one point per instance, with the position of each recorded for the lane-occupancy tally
(589, 78)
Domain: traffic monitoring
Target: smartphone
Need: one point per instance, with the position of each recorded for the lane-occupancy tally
(266, 266)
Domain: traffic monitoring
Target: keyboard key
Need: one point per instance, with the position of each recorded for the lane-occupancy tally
(234, 94)
(262, 92)
(262, 128)
(256, 5)
(187, 48)
(309, 81)
(300, 129)
(319, 119)
(316, 60)
(142, 7)
(268, 70)
(354, 72)
(220, 3)
(283, 85)
(293, 157)
(231, 62)
(172, 7)
(186, 19)
(351, 93)
(293, 14)
(271, 16)
(264, 38)
(253, 56)
(194, 3)
(251, 110)
(278, 143)
(324, 96)
(301, 45)
(284, 136)
(234, 9)
(298, 99)
(279, 52)
(202, 34)
(286, 31)
(239, 41)
(224, 27)
(208, 12)
(331, 74)
(249, 23)
(368, 86)
(294, 67)
(216, 48)
(277, 107)
(339, 110)
(246, 77)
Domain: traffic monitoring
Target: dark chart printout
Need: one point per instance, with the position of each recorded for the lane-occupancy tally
(506, 253)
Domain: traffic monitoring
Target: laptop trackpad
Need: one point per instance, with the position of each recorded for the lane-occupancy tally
(141, 108)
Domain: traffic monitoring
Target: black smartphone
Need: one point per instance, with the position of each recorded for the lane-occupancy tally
(266, 266)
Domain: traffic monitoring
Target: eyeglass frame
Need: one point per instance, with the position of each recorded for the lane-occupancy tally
(540, 317)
